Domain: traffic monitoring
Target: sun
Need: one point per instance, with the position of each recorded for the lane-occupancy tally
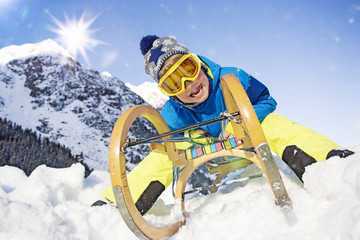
(76, 35)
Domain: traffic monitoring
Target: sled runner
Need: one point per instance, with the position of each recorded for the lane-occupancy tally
(247, 147)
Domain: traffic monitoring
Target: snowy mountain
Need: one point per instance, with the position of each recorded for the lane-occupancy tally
(44, 89)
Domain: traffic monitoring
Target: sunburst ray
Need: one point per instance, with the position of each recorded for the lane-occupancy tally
(76, 35)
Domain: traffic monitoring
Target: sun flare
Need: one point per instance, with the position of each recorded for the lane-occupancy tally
(76, 35)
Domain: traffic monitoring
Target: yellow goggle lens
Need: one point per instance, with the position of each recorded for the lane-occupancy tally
(173, 82)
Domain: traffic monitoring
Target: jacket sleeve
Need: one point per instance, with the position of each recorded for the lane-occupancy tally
(260, 98)
(257, 92)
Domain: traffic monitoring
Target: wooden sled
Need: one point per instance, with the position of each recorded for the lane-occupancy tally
(247, 130)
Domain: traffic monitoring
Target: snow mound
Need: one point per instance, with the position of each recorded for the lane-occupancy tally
(55, 204)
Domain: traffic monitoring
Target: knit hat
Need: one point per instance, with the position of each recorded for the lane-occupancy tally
(157, 50)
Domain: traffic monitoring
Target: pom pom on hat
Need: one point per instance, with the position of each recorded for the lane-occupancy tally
(146, 43)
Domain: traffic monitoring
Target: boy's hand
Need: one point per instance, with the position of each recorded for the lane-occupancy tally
(201, 132)
(225, 135)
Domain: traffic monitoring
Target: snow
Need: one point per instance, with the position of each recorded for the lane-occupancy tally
(56, 204)
(150, 92)
(32, 49)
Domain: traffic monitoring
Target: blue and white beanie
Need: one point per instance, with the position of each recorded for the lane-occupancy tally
(156, 50)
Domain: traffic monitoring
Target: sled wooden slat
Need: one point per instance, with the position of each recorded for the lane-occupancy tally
(135, 221)
(236, 99)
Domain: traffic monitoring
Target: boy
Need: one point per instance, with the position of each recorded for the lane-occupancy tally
(193, 84)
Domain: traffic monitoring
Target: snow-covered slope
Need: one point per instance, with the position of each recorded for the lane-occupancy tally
(150, 93)
(55, 204)
(42, 88)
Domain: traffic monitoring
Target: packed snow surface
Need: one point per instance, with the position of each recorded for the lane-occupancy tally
(56, 204)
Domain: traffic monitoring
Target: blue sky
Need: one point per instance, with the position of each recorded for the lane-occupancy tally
(306, 52)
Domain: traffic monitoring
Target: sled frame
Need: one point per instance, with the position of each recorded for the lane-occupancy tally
(248, 131)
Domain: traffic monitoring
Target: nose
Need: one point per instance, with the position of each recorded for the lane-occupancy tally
(188, 83)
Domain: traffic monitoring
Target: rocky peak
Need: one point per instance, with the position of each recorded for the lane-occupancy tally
(45, 89)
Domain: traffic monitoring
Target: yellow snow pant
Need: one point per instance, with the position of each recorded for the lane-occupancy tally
(280, 132)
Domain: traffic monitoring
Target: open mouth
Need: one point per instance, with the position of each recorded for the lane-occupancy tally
(197, 91)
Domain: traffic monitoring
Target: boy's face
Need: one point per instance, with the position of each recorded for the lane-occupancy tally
(196, 91)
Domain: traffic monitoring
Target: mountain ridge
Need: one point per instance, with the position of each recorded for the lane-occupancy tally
(43, 88)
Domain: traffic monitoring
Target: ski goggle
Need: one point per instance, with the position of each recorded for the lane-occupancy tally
(187, 68)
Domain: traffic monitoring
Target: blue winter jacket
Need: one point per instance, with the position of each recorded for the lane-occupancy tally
(177, 116)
